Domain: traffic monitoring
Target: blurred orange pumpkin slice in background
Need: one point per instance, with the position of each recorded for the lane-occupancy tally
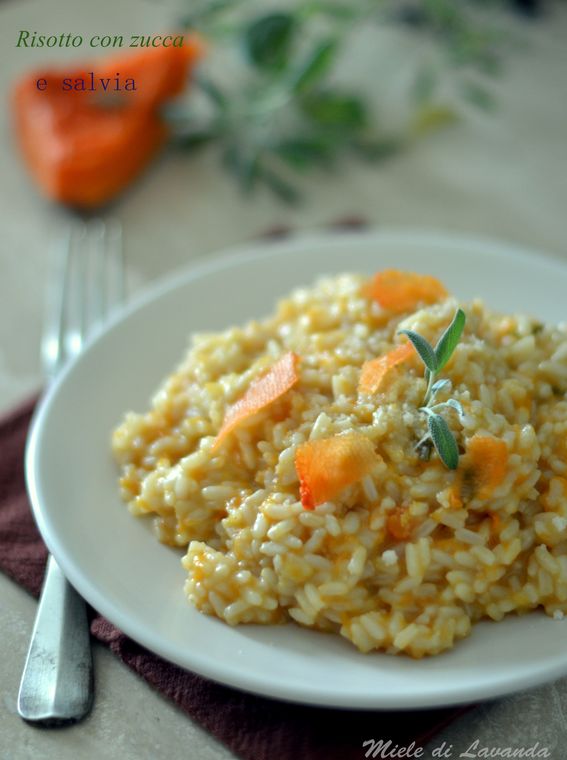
(84, 147)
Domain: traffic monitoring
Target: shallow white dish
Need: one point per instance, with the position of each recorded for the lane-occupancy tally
(119, 567)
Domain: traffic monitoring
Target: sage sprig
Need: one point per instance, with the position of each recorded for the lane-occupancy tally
(435, 359)
(287, 103)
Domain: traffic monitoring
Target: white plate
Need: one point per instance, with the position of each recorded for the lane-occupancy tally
(118, 566)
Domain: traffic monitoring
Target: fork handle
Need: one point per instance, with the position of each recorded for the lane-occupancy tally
(57, 682)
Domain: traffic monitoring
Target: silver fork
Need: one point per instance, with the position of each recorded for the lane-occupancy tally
(87, 285)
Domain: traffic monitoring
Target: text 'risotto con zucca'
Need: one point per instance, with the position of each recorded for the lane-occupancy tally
(374, 460)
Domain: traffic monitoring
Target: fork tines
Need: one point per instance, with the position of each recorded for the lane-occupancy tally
(88, 284)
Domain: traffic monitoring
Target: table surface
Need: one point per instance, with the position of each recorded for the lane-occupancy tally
(500, 175)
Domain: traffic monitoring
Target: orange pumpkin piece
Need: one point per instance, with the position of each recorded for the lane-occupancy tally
(400, 291)
(374, 371)
(84, 147)
(328, 465)
(263, 391)
(400, 524)
(488, 459)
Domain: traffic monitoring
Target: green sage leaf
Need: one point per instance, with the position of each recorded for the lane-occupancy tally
(305, 152)
(443, 440)
(280, 187)
(451, 403)
(315, 67)
(194, 139)
(242, 164)
(268, 40)
(448, 341)
(335, 110)
(424, 349)
(438, 386)
(212, 91)
(456, 405)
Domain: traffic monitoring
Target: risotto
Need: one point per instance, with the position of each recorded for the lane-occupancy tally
(290, 458)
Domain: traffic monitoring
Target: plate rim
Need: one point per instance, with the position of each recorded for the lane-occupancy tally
(453, 694)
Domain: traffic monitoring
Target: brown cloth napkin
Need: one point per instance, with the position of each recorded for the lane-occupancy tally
(254, 728)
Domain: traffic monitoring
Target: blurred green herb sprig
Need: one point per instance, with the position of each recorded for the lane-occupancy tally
(284, 113)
